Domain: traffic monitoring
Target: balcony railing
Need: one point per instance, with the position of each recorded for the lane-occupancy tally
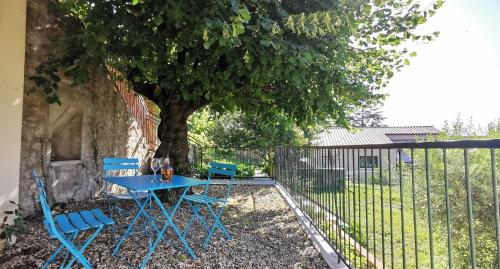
(407, 205)
(252, 162)
(136, 106)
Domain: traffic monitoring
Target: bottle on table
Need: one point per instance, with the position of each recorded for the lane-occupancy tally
(167, 171)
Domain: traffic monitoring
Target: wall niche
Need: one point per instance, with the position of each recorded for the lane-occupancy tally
(66, 133)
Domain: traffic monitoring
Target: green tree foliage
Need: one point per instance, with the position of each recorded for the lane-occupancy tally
(480, 171)
(459, 129)
(308, 60)
(237, 129)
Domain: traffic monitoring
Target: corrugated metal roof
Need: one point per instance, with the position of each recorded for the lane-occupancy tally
(414, 130)
(336, 136)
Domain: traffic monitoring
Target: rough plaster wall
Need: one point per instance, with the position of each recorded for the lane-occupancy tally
(117, 134)
(35, 108)
(107, 128)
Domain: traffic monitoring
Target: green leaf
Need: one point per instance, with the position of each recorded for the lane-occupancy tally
(238, 29)
(421, 20)
(266, 43)
(208, 43)
(12, 202)
(245, 14)
(406, 62)
(390, 74)
(135, 2)
(413, 54)
(247, 57)
(205, 35)
(159, 20)
(8, 212)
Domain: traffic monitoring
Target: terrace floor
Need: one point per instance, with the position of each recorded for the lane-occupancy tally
(265, 235)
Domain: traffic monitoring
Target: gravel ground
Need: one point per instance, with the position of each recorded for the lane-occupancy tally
(265, 235)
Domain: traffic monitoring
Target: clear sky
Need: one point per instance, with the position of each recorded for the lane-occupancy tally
(459, 72)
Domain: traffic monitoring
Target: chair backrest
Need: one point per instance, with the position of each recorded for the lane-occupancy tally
(48, 220)
(39, 184)
(120, 164)
(223, 169)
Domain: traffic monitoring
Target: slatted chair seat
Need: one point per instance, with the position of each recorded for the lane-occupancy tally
(100, 216)
(126, 196)
(82, 221)
(197, 198)
(65, 228)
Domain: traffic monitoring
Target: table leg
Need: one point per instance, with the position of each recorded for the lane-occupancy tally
(151, 219)
(169, 222)
(134, 220)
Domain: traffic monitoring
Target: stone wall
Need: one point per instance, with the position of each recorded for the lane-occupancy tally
(66, 143)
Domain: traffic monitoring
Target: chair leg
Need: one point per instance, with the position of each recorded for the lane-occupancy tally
(150, 218)
(110, 210)
(189, 224)
(71, 238)
(131, 224)
(219, 223)
(87, 243)
(52, 257)
(56, 252)
(76, 254)
(216, 224)
(195, 209)
(202, 220)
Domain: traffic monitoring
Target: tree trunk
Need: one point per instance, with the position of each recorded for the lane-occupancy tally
(173, 135)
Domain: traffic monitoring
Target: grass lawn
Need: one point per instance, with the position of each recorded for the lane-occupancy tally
(363, 206)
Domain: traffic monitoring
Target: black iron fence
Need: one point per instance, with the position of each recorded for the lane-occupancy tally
(406, 205)
(251, 162)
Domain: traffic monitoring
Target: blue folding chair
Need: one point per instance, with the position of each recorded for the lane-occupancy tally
(119, 165)
(66, 227)
(113, 167)
(195, 201)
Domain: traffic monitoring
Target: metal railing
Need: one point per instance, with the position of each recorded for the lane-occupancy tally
(136, 105)
(404, 205)
(251, 162)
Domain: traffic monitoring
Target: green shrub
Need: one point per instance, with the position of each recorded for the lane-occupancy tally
(245, 170)
(201, 170)
(242, 170)
(17, 227)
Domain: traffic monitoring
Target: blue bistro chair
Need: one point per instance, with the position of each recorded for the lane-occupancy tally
(113, 167)
(195, 201)
(65, 228)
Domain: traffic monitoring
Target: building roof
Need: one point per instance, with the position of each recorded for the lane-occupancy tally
(414, 130)
(337, 136)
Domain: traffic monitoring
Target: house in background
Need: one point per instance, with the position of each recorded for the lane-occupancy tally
(354, 163)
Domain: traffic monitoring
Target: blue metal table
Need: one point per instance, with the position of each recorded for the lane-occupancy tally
(144, 183)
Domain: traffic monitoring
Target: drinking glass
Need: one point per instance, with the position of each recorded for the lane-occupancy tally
(166, 162)
(156, 165)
